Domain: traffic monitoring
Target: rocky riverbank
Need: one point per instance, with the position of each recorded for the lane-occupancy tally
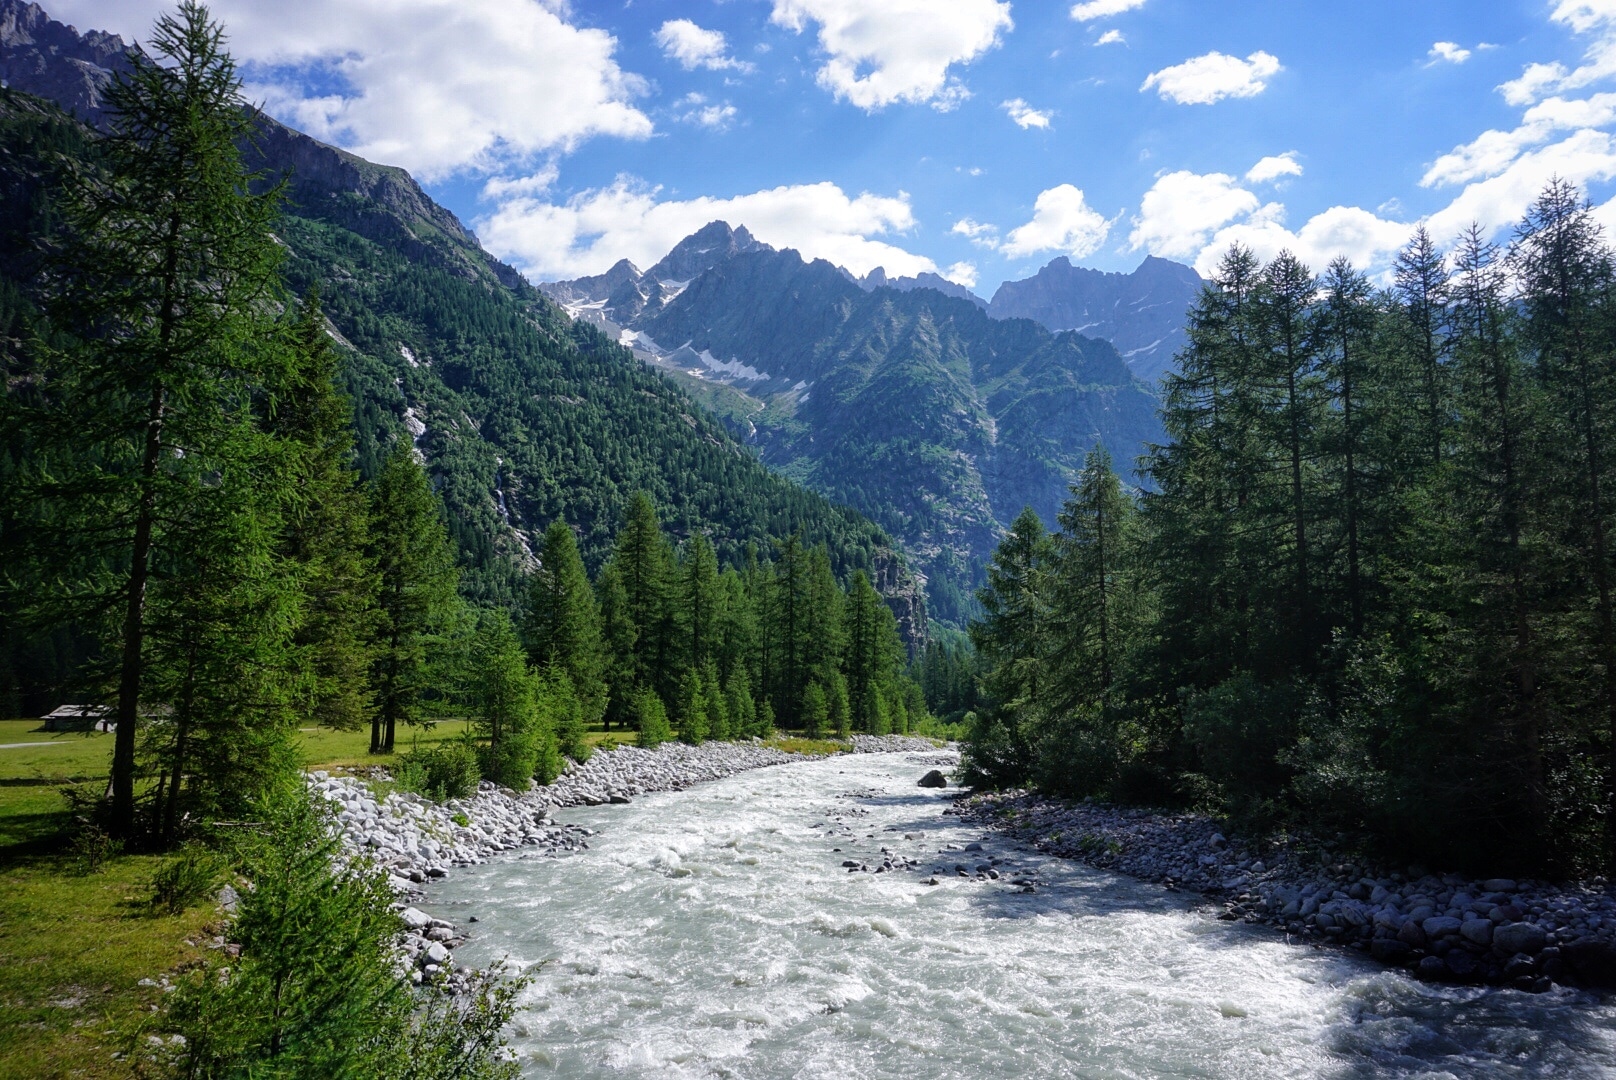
(415, 839)
(1522, 933)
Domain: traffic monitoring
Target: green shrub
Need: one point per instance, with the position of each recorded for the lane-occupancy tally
(449, 770)
(92, 847)
(192, 876)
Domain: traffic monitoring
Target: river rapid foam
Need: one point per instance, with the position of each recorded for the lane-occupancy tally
(716, 932)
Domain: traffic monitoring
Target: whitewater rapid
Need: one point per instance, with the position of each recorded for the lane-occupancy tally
(714, 932)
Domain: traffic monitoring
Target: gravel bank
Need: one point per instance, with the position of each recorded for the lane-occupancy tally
(1527, 934)
(415, 839)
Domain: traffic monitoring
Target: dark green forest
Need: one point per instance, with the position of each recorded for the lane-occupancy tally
(1369, 589)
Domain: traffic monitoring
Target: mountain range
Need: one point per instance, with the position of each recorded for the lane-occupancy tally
(521, 414)
(918, 417)
(935, 413)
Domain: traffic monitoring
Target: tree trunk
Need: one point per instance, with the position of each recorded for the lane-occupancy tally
(132, 670)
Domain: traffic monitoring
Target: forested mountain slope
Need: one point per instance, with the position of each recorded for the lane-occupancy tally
(915, 407)
(522, 415)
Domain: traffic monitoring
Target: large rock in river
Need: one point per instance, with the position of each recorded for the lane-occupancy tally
(935, 778)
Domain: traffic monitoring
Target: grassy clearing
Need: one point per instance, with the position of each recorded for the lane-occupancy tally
(73, 949)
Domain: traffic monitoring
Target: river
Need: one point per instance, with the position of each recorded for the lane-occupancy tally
(715, 932)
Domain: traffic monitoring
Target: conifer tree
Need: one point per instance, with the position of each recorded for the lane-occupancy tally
(815, 711)
(505, 699)
(416, 599)
(1089, 559)
(618, 641)
(1566, 277)
(716, 704)
(327, 529)
(172, 262)
(1012, 640)
(701, 600)
(694, 723)
(643, 564)
(1422, 288)
(651, 719)
(839, 714)
(563, 627)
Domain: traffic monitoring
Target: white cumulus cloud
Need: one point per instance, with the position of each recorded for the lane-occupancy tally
(1491, 152)
(1063, 221)
(1448, 52)
(436, 86)
(1111, 37)
(962, 273)
(1590, 17)
(1341, 231)
(1103, 9)
(1025, 115)
(1499, 201)
(1275, 167)
(593, 229)
(899, 50)
(1182, 210)
(693, 47)
(1204, 80)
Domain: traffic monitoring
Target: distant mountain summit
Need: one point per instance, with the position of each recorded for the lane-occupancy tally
(903, 399)
(41, 56)
(877, 279)
(1142, 313)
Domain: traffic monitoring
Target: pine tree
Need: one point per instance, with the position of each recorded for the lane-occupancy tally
(417, 598)
(563, 627)
(872, 651)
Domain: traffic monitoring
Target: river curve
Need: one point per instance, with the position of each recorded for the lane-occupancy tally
(715, 932)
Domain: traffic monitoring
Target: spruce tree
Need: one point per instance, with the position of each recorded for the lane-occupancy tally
(1012, 639)
(815, 711)
(1090, 560)
(417, 600)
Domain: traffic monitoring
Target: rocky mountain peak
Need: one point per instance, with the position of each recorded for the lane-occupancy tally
(703, 249)
(48, 59)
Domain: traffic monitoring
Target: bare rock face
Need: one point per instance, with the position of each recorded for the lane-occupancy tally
(48, 59)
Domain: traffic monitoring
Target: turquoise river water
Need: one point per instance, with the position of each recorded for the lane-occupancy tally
(715, 933)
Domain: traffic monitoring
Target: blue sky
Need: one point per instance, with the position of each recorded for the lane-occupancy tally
(977, 138)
